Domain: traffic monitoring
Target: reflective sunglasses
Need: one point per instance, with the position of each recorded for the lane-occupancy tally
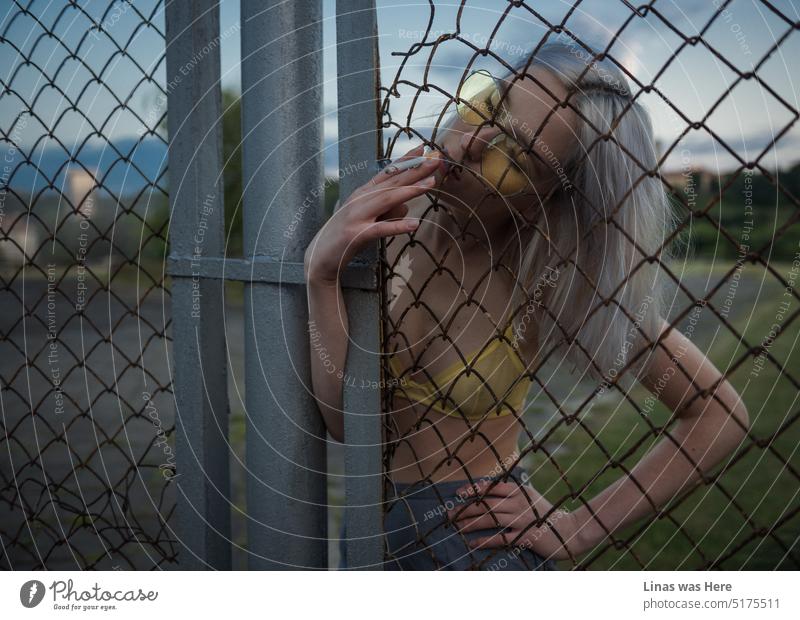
(505, 164)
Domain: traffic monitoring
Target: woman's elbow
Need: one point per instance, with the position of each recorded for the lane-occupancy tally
(735, 424)
(334, 421)
(742, 417)
(337, 434)
(725, 421)
(738, 411)
(732, 410)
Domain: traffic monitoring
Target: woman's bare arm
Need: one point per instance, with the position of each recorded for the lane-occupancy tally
(703, 435)
(328, 334)
(376, 209)
(705, 432)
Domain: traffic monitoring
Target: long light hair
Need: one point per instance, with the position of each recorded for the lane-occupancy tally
(616, 204)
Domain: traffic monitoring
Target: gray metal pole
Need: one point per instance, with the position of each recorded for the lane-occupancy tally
(196, 232)
(282, 161)
(359, 142)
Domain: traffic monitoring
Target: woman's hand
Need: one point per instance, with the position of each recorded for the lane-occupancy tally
(376, 209)
(506, 505)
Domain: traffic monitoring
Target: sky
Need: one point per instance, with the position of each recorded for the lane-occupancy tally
(748, 120)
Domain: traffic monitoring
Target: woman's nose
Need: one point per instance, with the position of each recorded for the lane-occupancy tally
(474, 141)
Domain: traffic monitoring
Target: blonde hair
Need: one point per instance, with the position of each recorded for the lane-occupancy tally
(580, 312)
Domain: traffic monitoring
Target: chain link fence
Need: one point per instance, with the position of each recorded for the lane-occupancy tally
(87, 407)
(87, 402)
(614, 238)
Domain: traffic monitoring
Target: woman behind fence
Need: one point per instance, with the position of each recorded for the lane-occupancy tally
(524, 234)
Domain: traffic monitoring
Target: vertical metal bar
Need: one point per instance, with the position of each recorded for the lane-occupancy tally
(283, 174)
(359, 144)
(196, 231)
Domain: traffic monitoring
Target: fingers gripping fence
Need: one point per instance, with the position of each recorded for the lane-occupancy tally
(453, 293)
(87, 420)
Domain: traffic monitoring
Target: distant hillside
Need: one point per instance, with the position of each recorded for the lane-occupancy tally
(124, 167)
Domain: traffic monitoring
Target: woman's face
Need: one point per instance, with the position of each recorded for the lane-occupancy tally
(527, 112)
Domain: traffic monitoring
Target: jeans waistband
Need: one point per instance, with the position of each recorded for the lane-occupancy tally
(427, 489)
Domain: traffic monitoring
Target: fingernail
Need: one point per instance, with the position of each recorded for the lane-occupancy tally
(412, 224)
(431, 180)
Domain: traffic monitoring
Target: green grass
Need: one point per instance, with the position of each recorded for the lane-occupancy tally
(757, 229)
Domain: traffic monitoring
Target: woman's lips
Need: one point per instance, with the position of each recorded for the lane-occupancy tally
(450, 167)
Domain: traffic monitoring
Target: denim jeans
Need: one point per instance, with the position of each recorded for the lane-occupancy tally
(418, 537)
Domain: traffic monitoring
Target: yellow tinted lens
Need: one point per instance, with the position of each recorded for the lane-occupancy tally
(477, 98)
(505, 166)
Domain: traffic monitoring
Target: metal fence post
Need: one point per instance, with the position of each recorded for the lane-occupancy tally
(196, 232)
(359, 143)
(282, 163)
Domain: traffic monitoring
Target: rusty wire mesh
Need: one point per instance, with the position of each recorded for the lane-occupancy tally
(577, 432)
(87, 416)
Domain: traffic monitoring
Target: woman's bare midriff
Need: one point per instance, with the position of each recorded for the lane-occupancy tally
(445, 448)
(423, 453)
